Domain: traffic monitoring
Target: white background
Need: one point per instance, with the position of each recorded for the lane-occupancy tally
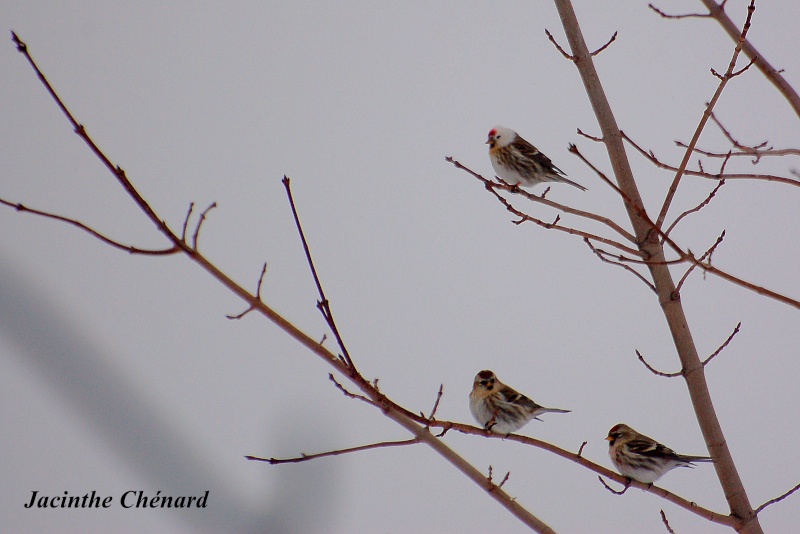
(122, 373)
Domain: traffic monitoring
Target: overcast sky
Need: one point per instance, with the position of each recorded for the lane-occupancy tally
(122, 373)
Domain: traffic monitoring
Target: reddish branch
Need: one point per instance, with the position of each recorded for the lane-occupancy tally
(729, 74)
(666, 522)
(778, 499)
(91, 231)
(716, 11)
(704, 362)
(306, 457)
(620, 261)
(755, 151)
(683, 256)
(258, 296)
(493, 187)
(684, 16)
(651, 157)
(697, 208)
(323, 304)
(572, 58)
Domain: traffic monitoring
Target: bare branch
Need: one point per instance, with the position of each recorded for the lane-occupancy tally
(117, 171)
(704, 119)
(589, 137)
(91, 231)
(580, 449)
(615, 492)
(755, 150)
(777, 499)
(493, 186)
(306, 457)
(558, 47)
(654, 370)
(613, 38)
(323, 304)
(724, 344)
(666, 522)
(605, 257)
(350, 395)
(258, 296)
(200, 222)
(707, 254)
(747, 285)
(697, 208)
(505, 479)
(743, 69)
(186, 221)
(436, 403)
(717, 12)
(732, 176)
(685, 16)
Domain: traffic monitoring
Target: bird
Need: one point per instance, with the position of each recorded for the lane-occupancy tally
(501, 409)
(517, 162)
(643, 459)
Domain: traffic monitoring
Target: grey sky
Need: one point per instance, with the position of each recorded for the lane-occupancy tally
(122, 372)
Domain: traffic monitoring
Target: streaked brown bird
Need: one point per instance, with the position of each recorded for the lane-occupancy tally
(502, 409)
(517, 162)
(642, 458)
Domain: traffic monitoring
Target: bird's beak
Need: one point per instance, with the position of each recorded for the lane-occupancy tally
(488, 141)
(609, 438)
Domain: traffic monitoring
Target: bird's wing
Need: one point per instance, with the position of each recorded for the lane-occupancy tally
(515, 397)
(649, 447)
(531, 152)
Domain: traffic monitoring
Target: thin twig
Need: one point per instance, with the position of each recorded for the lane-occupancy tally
(505, 479)
(258, 296)
(777, 499)
(609, 488)
(580, 449)
(350, 395)
(200, 222)
(666, 522)
(724, 344)
(698, 263)
(589, 137)
(656, 371)
(91, 231)
(685, 16)
(697, 208)
(604, 258)
(306, 457)
(323, 304)
(186, 221)
(436, 403)
(613, 38)
(558, 47)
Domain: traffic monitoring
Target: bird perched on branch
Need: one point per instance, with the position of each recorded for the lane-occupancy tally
(517, 162)
(502, 409)
(643, 459)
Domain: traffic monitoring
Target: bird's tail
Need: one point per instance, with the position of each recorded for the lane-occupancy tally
(555, 410)
(696, 458)
(570, 182)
